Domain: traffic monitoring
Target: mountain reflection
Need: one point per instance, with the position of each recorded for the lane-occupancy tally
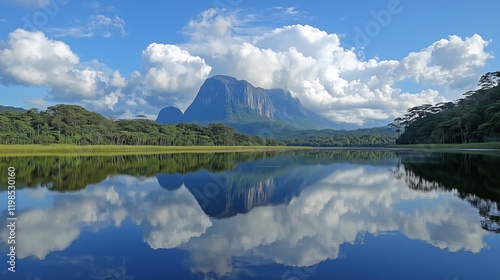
(295, 209)
(73, 173)
(335, 211)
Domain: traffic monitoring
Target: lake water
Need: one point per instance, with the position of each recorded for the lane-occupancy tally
(320, 214)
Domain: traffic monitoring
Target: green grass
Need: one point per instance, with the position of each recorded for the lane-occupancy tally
(63, 149)
(440, 147)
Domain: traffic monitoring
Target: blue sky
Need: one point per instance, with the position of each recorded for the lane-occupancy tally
(362, 62)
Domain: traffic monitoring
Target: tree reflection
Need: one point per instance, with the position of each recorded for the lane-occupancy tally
(474, 177)
(70, 173)
(311, 205)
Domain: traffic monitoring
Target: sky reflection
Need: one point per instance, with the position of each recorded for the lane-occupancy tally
(342, 205)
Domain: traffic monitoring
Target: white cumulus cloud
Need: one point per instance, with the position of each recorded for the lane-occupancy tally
(168, 68)
(169, 75)
(337, 83)
(446, 61)
(326, 77)
(32, 59)
(332, 80)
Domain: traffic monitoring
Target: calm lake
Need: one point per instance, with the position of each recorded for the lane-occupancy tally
(316, 214)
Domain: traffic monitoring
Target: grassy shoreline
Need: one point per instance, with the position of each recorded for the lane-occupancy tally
(73, 150)
(63, 149)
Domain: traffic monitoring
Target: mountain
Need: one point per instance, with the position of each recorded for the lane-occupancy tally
(247, 108)
(171, 114)
(12, 109)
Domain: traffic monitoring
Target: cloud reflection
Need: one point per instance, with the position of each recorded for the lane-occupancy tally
(336, 211)
(339, 209)
(168, 219)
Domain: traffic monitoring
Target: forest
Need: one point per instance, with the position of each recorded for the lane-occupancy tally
(72, 124)
(363, 137)
(472, 119)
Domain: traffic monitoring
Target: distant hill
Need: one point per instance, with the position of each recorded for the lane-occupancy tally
(12, 109)
(239, 104)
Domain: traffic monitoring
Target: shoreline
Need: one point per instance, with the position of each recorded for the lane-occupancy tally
(73, 150)
(89, 150)
(493, 146)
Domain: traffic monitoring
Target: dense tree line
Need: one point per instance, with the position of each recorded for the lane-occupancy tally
(367, 140)
(379, 136)
(473, 118)
(72, 124)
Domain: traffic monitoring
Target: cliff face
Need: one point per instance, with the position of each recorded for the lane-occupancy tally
(231, 101)
(223, 98)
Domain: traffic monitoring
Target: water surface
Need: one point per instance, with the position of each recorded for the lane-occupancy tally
(320, 214)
